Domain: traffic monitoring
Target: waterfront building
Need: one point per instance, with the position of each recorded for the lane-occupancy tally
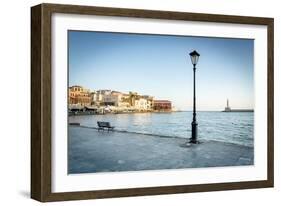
(126, 100)
(110, 100)
(149, 102)
(141, 104)
(132, 98)
(162, 105)
(93, 96)
(123, 103)
(117, 96)
(98, 96)
(79, 96)
(107, 98)
(104, 91)
(114, 101)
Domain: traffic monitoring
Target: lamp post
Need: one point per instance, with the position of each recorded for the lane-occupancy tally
(194, 56)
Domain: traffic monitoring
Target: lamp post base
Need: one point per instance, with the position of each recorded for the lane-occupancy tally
(194, 131)
(193, 141)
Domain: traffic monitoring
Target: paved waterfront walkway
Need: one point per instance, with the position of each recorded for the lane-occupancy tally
(93, 151)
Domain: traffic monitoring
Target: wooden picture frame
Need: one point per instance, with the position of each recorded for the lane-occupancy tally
(41, 96)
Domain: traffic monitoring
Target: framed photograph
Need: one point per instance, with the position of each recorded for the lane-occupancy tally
(130, 102)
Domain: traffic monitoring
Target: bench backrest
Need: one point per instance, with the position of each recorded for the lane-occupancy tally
(103, 124)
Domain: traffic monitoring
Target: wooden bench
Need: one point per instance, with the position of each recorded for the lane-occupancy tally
(103, 125)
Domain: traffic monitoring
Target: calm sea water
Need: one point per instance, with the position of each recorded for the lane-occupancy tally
(236, 127)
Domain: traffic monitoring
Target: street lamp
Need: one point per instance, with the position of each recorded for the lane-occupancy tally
(194, 56)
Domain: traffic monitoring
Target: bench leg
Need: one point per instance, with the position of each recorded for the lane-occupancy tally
(100, 128)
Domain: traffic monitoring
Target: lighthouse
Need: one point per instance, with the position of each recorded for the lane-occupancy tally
(227, 108)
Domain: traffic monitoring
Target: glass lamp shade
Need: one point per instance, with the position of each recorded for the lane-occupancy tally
(194, 56)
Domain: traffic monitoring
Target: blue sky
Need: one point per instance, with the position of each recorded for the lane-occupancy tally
(159, 65)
